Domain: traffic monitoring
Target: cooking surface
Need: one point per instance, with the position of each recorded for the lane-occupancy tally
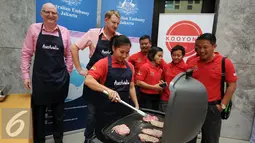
(135, 123)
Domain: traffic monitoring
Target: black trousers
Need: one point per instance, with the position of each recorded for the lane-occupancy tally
(39, 122)
(163, 105)
(212, 126)
(89, 132)
(90, 99)
(150, 101)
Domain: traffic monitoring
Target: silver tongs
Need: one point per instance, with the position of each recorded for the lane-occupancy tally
(128, 105)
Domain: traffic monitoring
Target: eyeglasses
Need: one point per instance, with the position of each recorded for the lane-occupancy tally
(48, 12)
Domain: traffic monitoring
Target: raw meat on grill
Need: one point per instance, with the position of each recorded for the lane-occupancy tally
(157, 124)
(147, 138)
(150, 118)
(121, 129)
(152, 132)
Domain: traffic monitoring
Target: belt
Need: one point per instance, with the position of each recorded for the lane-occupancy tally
(214, 102)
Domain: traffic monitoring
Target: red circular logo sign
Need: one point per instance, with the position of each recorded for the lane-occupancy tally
(183, 33)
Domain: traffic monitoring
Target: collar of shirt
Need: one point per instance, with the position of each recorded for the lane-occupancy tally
(102, 32)
(143, 54)
(179, 65)
(114, 61)
(44, 28)
(152, 66)
(216, 56)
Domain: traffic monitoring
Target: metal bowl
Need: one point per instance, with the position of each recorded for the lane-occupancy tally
(2, 97)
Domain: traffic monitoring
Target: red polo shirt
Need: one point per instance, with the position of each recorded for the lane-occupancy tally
(170, 71)
(191, 58)
(149, 74)
(209, 73)
(138, 59)
(99, 70)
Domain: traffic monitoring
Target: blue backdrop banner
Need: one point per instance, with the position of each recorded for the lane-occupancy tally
(136, 16)
(76, 15)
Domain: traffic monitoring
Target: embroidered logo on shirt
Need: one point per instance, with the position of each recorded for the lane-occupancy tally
(106, 52)
(93, 68)
(139, 60)
(151, 73)
(122, 82)
(195, 68)
(139, 73)
(50, 47)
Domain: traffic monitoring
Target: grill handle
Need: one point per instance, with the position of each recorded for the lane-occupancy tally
(128, 105)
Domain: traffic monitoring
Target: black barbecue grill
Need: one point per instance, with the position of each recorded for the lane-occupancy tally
(135, 123)
(186, 112)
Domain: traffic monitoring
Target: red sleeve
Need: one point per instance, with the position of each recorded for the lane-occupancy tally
(191, 63)
(131, 59)
(142, 73)
(133, 72)
(230, 71)
(99, 70)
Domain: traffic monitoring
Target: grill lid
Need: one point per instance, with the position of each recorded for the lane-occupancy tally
(186, 111)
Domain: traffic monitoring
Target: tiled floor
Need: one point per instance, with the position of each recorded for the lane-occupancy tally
(79, 138)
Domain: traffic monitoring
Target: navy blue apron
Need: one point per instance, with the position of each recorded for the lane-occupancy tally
(117, 79)
(103, 49)
(50, 79)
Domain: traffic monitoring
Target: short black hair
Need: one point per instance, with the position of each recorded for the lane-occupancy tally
(145, 37)
(120, 40)
(153, 51)
(208, 36)
(178, 47)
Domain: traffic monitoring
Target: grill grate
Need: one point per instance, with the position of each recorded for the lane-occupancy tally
(135, 124)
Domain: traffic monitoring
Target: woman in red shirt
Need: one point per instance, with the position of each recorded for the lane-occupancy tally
(148, 79)
(115, 76)
(170, 71)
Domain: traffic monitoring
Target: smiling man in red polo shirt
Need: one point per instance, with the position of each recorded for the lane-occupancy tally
(140, 58)
(207, 70)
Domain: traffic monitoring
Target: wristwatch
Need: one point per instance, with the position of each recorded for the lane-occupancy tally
(223, 106)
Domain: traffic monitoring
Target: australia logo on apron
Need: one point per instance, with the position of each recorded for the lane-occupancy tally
(50, 47)
(106, 52)
(122, 82)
